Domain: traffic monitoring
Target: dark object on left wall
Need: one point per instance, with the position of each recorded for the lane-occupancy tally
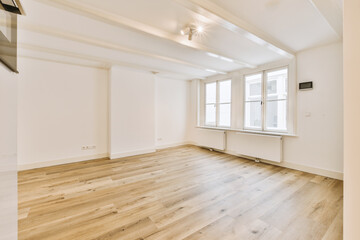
(9, 11)
(10, 6)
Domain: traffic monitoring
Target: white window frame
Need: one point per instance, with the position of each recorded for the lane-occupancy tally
(261, 101)
(217, 104)
(264, 101)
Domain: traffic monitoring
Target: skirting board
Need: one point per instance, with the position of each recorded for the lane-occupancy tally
(299, 167)
(318, 171)
(159, 147)
(92, 157)
(145, 151)
(24, 167)
(132, 153)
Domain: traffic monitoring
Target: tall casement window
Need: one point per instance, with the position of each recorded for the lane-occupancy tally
(218, 104)
(266, 100)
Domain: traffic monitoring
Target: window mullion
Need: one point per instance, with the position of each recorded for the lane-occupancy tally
(263, 99)
(217, 103)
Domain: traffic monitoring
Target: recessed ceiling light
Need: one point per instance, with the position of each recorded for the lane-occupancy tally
(226, 59)
(214, 71)
(212, 54)
(220, 57)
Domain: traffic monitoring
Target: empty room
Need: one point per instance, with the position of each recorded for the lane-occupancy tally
(179, 119)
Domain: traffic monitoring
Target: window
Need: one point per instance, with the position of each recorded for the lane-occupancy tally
(218, 104)
(253, 101)
(210, 111)
(266, 97)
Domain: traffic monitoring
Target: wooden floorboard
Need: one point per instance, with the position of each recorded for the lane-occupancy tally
(178, 193)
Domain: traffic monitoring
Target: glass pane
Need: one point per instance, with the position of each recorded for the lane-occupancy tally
(276, 115)
(253, 87)
(225, 91)
(210, 92)
(225, 115)
(210, 115)
(276, 84)
(253, 115)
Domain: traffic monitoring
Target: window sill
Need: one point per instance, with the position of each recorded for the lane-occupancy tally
(248, 131)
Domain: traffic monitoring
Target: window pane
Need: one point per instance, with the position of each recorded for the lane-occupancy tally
(225, 115)
(276, 115)
(253, 87)
(277, 84)
(225, 91)
(210, 92)
(210, 115)
(253, 114)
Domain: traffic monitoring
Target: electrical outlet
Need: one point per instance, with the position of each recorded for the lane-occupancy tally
(88, 147)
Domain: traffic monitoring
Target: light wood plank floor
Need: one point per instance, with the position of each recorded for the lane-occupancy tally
(180, 193)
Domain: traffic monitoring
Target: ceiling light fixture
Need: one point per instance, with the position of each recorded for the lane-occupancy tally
(200, 29)
(191, 30)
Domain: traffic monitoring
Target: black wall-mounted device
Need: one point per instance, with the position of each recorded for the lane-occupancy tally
(306, 86)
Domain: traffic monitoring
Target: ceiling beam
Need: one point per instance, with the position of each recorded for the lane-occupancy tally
(95, 65)
(107, 61)
(332, 13)
(121, 21)
(231, 22)
(50, 31)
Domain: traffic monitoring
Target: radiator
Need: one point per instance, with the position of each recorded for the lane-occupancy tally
(214, 139)
(259, 146)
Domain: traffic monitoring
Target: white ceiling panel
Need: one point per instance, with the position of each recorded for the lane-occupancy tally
(296, 23)
(146, 34)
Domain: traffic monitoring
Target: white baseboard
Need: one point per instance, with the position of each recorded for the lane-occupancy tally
(318, 171)
(313, 170)
(132, 153)
(23, 167)
(159, 147)
(303, 168)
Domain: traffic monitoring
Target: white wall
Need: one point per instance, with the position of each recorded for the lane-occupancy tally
(352, 119)
(318, 146)
(171, 112)
(64, 107)
(61, 108)
(132, 112)
(146, 112)
(8, 148)
(320, 136)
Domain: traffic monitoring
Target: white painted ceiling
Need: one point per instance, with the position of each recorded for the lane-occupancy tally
(145, 34)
